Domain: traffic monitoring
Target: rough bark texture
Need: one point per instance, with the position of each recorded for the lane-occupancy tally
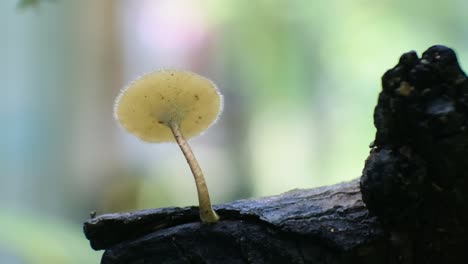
(416, 177)
(323, 225)
(414, 185)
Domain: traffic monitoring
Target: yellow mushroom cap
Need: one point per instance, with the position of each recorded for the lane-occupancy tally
(149, 104)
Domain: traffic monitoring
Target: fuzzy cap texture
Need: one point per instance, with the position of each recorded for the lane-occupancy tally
(149, 104)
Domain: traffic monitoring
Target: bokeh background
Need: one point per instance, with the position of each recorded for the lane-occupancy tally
(300, 80)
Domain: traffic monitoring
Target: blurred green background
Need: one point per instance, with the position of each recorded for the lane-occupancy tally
(300, 80)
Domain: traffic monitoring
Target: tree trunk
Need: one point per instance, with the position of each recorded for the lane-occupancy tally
(410, 205)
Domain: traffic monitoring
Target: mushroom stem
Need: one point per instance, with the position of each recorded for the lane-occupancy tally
(207, 214)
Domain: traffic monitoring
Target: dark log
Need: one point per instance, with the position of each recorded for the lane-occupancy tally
(413, 208)
(416, 177)
(299, 226)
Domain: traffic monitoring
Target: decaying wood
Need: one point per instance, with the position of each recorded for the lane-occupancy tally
(299, 226)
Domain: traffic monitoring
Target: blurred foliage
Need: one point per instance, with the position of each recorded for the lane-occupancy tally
(23, 4)
(40, 239)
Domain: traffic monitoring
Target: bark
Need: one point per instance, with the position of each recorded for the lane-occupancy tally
(300, 226)
(410, 205)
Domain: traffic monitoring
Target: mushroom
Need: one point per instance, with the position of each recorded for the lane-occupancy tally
(170, 106)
